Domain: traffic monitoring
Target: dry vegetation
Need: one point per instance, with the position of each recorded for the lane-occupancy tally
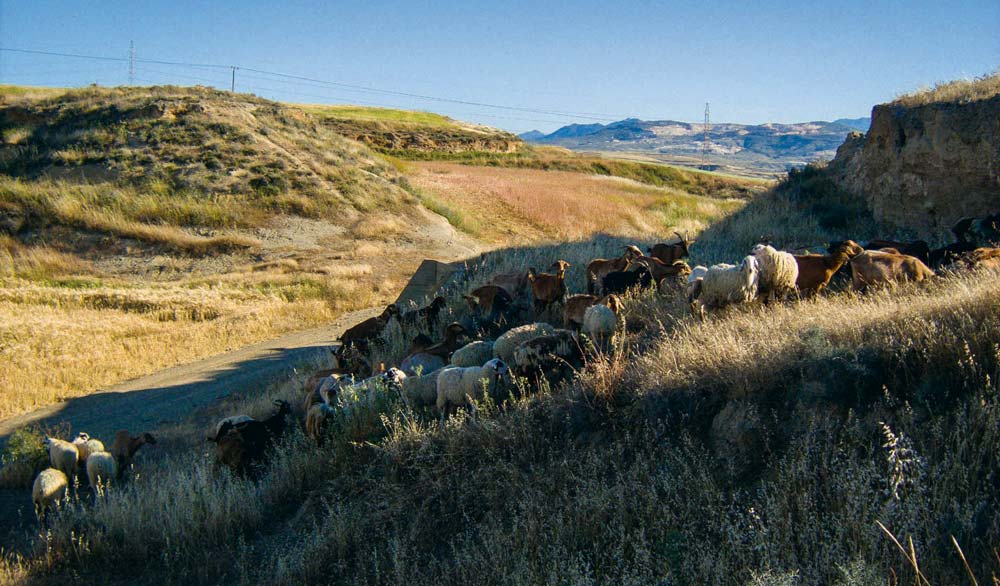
(512, 206)
(960, 91)
(759, 447)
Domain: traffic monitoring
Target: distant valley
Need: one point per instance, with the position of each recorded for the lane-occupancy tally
(763, 148)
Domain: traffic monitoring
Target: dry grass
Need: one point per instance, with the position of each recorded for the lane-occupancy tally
(961, 91)
(59, 343)
(515, 206)
(617, 478)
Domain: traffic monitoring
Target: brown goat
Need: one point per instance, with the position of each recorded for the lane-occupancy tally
(548, 288)
(981, 258)
(125, 446)
(872, 268)
(363, 333)
(917, 248)
(669, 252)
(599, 268)
(816, 270)
(488, 298)
(575, 307)
(427, 315)
(516, 284)
(659, 269)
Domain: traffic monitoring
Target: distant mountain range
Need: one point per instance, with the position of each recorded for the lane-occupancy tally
(765, 146)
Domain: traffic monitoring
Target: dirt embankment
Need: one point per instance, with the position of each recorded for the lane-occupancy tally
(926, 166)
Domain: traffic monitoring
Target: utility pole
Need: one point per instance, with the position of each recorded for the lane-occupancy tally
(232, 86)
(704, 143)
(131, 63)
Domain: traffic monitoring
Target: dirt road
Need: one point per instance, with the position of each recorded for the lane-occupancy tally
(167, 396)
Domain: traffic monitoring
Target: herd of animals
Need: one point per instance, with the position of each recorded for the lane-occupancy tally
(459, 371)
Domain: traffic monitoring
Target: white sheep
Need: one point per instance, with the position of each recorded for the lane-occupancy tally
(599, 322)
(365, 393)
(102, 468)
(63, 455)
(88, 447)
(693, 287)
(505, 345)
(778, 272)
(458, 386)
(473, 354)
(725, 284)
(420, 391)
(48, 490)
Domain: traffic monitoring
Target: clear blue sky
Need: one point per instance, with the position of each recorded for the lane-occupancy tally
(755, 62)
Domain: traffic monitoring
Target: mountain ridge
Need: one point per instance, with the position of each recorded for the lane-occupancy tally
(774, 146)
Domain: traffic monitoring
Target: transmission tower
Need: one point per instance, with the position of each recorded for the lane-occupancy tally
(131, 63)
(704, 142)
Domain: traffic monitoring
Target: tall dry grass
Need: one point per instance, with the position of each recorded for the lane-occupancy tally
(526, 205)
(77, 335)
(960, 91)
(621, 477)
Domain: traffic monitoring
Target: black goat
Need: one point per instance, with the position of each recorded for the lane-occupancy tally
(621, 281)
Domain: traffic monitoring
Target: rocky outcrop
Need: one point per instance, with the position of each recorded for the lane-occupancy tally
(925, 167)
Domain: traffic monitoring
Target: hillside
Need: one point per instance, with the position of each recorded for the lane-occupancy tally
(768, 147)
(791, 443)
(929, 159)
(142, 228)
(759, 446)
(404, 133)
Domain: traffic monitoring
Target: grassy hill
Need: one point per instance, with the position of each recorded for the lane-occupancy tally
(197, 221)
(761, 446)
(764, 445)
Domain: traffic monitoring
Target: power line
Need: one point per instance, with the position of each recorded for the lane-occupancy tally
(565, 114)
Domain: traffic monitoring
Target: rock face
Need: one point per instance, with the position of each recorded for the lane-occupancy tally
(925, 167)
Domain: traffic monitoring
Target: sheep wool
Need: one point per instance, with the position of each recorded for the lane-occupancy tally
(724, 284)
(778, 272)
(505, 345)
(420, 391)
(455, 384)
(101, 469)
(49, 488)
(599, 321)
(473, 354)
(63, 455)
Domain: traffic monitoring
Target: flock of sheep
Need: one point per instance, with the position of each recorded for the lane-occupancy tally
(459, 371)
(84, 459)
(478, 357)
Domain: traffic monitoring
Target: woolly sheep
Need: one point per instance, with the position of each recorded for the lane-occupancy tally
(457, 385)
(421, 391)
(554, 357)
(63, 455)
(693, 288)
(49, 488)
(778, 272)
(101, 469)
(473, 354)
(724, 284)
(365, 392)
(599, 322)
(422, 363)
(505, 345)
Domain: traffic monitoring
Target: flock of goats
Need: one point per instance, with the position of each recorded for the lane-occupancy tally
(460, 372)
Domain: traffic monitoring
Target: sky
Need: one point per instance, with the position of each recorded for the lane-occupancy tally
(521, 65)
